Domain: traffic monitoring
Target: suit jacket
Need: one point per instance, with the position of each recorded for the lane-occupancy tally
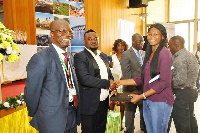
(46, 92)
(90, 82)
(130, 68)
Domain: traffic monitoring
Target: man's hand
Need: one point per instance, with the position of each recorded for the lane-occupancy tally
(114, 92)
(118, 83)
(112, 85)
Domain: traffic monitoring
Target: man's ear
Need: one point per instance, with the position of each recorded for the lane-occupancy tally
(84, 41)
(51, 33)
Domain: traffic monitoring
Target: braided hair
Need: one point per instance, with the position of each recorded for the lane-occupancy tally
(154, 61)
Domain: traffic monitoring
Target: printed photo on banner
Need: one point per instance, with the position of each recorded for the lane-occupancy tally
(78, 26)
(43, 20)
(76, 9)
(76, 49)
(43, 37)
(61, 17)
(45, 6)
(77, 0)
(49, 10)
(60, 7)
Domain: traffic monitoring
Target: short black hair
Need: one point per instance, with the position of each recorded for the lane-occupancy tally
(88, 31)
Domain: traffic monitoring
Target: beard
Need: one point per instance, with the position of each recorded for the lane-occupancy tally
(93, 49)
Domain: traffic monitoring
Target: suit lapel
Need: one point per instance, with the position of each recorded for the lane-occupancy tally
(133, 54)
(95, 65)
(105, 62)
(57, 60)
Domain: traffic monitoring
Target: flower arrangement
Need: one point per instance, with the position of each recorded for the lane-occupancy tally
(7, 47)
(12, 102)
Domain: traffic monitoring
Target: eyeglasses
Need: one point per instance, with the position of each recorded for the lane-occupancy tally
(63, 32)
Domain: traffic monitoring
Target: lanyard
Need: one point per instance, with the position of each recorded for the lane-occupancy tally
(67, 70)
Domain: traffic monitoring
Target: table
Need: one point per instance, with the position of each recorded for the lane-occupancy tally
(17, 70)
(16, 121)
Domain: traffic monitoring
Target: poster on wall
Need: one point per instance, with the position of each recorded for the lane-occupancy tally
(76, 49)
(76, 9)
(78, 27)
(44, 6)
(49, 10)
(60, 7)
(61, 17)
(43, 37)
(43, 20)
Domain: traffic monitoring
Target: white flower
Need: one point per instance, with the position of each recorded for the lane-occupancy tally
(14, 51)
(21, 93)
(9, 50)
(6, 104)
(5, 35)
(19, 102)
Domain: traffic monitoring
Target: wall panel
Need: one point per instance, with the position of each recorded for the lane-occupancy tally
(106, 14)
(20, 14)
(101, 15)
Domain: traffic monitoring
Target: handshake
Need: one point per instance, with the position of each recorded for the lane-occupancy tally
(114, 85)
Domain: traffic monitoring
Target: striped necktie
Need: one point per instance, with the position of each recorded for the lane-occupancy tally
(139, 58)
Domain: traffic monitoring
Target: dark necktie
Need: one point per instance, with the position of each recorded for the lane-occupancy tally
(69, 81)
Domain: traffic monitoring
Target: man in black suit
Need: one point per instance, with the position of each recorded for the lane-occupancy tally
(95, 79)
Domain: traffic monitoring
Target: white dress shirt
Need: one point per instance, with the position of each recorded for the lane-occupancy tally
(72, 91)
(139, 52)
(103, 73)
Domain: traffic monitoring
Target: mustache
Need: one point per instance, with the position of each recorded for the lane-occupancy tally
(93, 43)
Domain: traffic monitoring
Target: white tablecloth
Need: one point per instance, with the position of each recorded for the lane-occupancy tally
(17, 70)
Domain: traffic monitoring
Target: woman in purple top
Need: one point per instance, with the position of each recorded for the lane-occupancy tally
(158, 95)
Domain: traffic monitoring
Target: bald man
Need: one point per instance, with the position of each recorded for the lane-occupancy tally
(184, 86)
(51, 91)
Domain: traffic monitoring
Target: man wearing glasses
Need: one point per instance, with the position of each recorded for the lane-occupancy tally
(51, 92)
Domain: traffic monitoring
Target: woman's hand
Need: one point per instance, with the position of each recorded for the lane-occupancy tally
(125, 82)
(135, 98)
(117, 83)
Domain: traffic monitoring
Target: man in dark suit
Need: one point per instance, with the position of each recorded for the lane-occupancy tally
(95, 79)
(131, 62)
(50, 92)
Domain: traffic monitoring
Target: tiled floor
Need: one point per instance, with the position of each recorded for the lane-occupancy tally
(172, 130)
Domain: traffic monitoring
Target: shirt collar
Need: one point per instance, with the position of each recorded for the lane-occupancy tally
(135, 49)
(179, 52)
(59, 50)
(98, 52)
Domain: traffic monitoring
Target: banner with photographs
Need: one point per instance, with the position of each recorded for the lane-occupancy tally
(72, 11)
